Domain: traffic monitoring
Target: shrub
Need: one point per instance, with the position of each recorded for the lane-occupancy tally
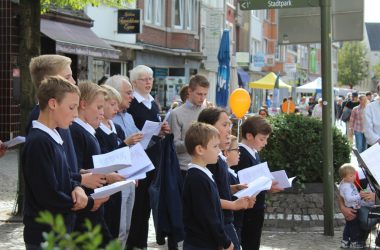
(58, 238)
(296, 146)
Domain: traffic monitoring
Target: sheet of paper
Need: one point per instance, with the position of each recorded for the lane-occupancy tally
(371, 157)
(260, 184)
(282, 178)
(112, 161)
(149, 130)
(167, 116)
(140, 164)
(15, 141)
(109, 189)
(252, 173)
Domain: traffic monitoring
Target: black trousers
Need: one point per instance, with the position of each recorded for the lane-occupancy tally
(251, 230)
(138, 234)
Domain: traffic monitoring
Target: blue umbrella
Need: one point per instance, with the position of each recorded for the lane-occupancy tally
(223, 79)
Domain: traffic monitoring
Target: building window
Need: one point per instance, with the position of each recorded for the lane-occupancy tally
(158, 12)
(191, 11)
(178, 14)
(265, 46)
(148, 8)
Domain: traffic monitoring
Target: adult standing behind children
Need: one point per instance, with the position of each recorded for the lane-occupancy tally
(182, 117)
(202, 214)
(133, 136)
(48, 184)
(356, 125)
(143, 108)
(372, 120)
(255, 134)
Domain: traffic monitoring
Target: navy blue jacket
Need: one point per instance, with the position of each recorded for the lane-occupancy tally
(166, 193)
(202, 213)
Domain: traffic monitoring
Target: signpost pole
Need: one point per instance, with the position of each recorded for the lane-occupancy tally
(327, 142)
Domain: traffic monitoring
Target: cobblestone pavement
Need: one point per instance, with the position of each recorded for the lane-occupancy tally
(11, 227)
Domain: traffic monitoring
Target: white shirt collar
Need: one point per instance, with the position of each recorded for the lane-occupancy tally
(203, 169)
(140, 98)
(232, 172)
(106, 129)
(221, 155)
(85, 125)
(250, 150)
(52, 132)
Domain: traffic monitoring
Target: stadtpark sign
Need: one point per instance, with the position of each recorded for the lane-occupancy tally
(276, 4)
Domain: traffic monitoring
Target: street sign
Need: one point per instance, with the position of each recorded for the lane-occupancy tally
(276, 4)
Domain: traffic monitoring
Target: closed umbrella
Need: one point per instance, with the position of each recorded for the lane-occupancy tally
(223, 70)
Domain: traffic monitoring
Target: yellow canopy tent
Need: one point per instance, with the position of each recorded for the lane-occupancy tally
(267, 82)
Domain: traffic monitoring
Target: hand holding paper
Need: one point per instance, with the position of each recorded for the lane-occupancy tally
(109, 189)
(149, 130)
(252, 173)
(282, 179)
(260, 184)
(15, 141)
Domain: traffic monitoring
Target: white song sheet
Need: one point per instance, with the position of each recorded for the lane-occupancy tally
(140, 164)
(112, 161)
(109, 189)
(371, 158)
(260, 184)
(282, 178)
(15, 141)
(252, 173)
(149, 130)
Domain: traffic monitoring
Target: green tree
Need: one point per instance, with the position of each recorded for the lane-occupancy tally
(352, 63)
(29, 47)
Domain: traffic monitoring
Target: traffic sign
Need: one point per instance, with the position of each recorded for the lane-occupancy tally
(276, 4)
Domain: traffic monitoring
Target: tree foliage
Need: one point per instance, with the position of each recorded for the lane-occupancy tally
(80, 4)
(352, 63)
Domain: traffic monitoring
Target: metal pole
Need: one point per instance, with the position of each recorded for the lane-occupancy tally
(328, 171)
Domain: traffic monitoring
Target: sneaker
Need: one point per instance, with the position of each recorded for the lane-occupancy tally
(345, 244)
(357, 244)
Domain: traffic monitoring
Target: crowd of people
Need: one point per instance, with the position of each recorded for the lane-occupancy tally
(72, 122)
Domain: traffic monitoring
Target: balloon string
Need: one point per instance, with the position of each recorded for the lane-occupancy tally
(238, 129)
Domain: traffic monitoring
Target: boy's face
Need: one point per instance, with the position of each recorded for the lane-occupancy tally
(211, 152)
(258, 142)
(233, 154)
(144, 84)
(350, 177)
(66, 111)
(198, 95)
(224, 127)
(111, 107)
(67, 74)
(93, 112)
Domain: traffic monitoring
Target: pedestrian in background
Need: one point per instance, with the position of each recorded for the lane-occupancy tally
(356, 125)
(372, 120)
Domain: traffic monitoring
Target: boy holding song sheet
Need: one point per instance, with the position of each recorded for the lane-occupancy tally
(255, 132)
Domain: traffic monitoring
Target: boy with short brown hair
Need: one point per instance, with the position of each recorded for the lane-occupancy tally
(202, 213)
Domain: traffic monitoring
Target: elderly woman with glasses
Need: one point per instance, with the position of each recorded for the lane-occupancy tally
(143, 108)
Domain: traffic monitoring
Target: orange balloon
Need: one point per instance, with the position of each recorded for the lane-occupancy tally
(240, 102)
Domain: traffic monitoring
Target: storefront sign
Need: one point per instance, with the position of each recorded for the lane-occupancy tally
(259, 60)
(129, 21)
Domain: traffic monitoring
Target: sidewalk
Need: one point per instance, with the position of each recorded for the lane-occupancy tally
(11, 228)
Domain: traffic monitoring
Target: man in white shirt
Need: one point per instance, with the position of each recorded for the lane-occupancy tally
(372, 121)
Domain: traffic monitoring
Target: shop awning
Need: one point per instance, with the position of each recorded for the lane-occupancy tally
(243, 77)
(75, 39)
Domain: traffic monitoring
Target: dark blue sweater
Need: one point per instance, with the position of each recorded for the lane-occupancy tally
(48, 184)
(246, 161)
(222, 178)
(202, 213)
(67, 143)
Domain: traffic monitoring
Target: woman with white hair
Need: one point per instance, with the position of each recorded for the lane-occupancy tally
(143, 108)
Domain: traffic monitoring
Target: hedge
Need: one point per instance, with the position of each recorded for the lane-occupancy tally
(296, 146)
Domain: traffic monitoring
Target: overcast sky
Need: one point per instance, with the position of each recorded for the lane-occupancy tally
(371, 11)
